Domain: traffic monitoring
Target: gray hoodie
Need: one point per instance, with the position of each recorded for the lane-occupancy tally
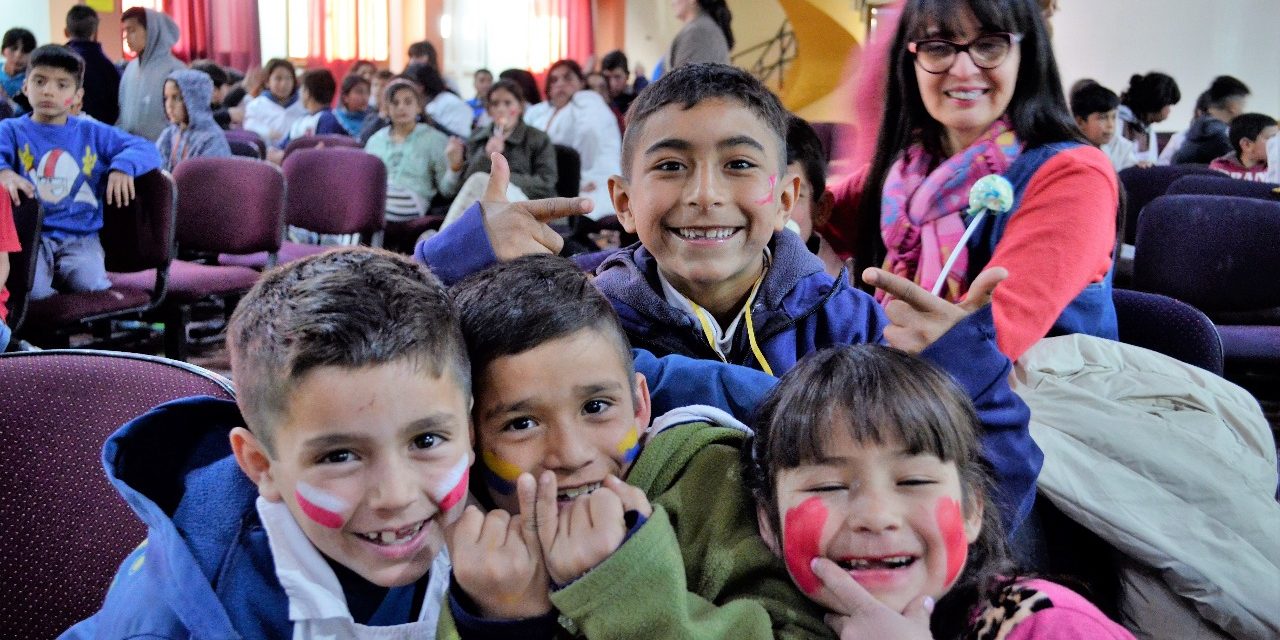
(142, 85)
(203, 136)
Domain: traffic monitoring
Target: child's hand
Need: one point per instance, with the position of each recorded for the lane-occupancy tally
(918, 317)
(862, 616)
(497, 559)
(588, 530)
(453, 153)
(518, 229)
(497, 142)
(119, 189)
(14, 183)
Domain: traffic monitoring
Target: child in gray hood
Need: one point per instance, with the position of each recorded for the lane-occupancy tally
(192, 131)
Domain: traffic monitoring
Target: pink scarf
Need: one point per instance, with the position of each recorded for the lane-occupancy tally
(922, 210)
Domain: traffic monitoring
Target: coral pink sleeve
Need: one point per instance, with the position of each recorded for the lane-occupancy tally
(1059, 241)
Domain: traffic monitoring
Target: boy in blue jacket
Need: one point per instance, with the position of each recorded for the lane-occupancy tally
(71, 164)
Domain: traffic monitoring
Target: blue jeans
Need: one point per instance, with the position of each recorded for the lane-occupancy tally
(76, 263)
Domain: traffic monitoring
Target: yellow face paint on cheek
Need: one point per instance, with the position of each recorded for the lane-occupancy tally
(629, 447)
(499, 474)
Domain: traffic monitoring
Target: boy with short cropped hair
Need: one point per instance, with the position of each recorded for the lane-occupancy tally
(807, 159)
(1249, 135)
(72, 165)
(671, 551)
(1095, 108)
(317, 90)
(16, 47)
(326, 515)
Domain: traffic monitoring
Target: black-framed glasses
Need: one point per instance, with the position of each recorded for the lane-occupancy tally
(987, 51)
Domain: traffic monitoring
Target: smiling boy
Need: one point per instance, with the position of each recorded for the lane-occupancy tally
(326, 515)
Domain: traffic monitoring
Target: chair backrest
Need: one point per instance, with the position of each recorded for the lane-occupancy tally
(230, 205)
(244, 135)
(336, 191)
(1214, 186)
(65, 528)
(327, 140)
(244, 149)
(568, 171)
(1144, 185)
(1216, 253)
(27, 217)
(140, 236)
(1167, 326)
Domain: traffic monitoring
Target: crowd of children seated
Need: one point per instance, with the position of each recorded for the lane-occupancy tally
(784, 411)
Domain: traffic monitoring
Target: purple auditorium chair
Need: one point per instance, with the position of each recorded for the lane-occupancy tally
(1214, 186)
(337, 192)
(65, 528)
(327, 141)
(206, 225)
(27, 217)
(248, 137)
(137, 240)
(1221, 255)
(1167, 326)
(1144, 185)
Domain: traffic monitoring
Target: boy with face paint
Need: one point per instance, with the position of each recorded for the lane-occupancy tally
(612, 521)
(317, 506)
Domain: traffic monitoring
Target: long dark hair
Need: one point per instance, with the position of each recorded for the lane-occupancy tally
(1150, 94)
(718, 10)
(1038, 109)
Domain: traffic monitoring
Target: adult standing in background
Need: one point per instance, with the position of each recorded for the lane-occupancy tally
(151, 35)
(101, 78)
(705, 36)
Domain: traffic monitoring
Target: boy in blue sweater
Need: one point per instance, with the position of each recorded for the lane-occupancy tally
(71, 164)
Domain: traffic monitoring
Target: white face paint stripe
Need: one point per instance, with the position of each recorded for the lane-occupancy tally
(323, 499)
(452, 479)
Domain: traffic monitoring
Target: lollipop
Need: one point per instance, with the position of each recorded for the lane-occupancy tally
(990, 193)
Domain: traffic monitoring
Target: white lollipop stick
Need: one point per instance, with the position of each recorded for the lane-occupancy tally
(955, 253)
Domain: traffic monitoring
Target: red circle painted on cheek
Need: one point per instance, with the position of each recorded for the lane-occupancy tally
(802, 534)
(951, 524)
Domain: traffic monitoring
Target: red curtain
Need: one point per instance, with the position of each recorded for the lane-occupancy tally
(225, 31)
(318, 46)
(579, 41)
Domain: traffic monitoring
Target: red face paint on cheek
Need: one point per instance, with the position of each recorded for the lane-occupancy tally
(773, 182)
(454, 487)
(802, 533)
(951, 524)
(67, 102)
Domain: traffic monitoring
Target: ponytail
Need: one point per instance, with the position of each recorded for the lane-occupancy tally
(719, 12)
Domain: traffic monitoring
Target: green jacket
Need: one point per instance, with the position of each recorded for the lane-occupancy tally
(698, 567)
(418, 163)
(529, 154)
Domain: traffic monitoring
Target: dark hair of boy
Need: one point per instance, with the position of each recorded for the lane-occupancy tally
(58, 57)
(517, 306)
(1248, 125)
(427, 77)
(1149, 94)
(480, 71)
(214, 70)
(614, 60)
(527, 83)
(137, 14)
(881, 395)
(351, 308)
(352, 81)
(1202, 105)
(18, 37)
(1093, 98)
(804, 146)
(1037, 109)
(510, 86)
(1224, 89)
(688, 86)
(82, 23)
(320, 85)
(384, 74)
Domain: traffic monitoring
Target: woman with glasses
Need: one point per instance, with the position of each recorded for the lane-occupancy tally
(972, 91)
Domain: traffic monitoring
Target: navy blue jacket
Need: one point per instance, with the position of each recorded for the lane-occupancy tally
(101, 81)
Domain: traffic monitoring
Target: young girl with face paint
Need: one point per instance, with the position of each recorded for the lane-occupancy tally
(866, 471)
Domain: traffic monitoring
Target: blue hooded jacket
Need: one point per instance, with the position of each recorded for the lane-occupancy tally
(202, 137)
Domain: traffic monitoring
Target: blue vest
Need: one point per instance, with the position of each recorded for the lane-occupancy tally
(1092, 312)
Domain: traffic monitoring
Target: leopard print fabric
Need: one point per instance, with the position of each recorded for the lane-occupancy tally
(1014, 604)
